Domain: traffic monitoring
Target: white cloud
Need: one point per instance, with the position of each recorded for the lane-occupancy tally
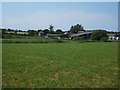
(62, 20)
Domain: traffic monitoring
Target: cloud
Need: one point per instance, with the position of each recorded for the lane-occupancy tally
(62, 20)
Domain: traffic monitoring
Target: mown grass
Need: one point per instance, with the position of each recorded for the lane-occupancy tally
(60, 65)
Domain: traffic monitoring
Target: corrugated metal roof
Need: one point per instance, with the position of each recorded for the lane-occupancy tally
(110, 34)
(79, 34)
(54, 35)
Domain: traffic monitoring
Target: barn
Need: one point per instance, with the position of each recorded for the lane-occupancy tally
(84, 35)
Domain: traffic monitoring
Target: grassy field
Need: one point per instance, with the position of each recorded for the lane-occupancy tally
(60, 65)
(31, 40)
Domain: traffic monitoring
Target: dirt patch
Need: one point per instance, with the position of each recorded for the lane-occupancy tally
(52, 60)
(37, 66)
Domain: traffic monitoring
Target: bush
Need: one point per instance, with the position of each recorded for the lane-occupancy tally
(105, 39)
(8, 36)
(58, 41)
(78, 38)
(98, 34)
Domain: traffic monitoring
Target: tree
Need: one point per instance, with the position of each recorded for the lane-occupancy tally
(39, 30)
(51, 28)
(59, 31)
(76, 28)
(31, 32)
(72, 29)
(51, 32)
(2, 32)
(46, 31)
(16, 31)
(98, 34)
(10, 29)
(20, 31)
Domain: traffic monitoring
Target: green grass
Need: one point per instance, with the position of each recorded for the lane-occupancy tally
(60, 65)
(31, 40)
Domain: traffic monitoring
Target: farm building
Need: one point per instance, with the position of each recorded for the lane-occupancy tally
(58, 36)
(41, 34)
(22, 33)
(84, 35)
(16, 33)
(10, 32)
(54, 36)
(113, 37)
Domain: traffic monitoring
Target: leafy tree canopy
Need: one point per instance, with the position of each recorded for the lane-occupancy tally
(76, 28)
(51, 27)
(98, 34)
(46, 31)
(59, 31)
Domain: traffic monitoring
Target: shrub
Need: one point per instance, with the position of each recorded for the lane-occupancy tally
(104, 39)
(58, 41)
(78, 38)
(98, 34)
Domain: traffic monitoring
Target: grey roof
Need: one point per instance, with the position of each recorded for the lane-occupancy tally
(54, 35)
(79, 34)
(110, 34)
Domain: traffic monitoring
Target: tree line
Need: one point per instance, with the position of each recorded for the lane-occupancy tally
(96, 34)
(50, 30)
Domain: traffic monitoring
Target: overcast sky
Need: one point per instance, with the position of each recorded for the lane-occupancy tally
(62, 15)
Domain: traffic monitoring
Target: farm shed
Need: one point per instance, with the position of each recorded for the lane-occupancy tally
(23, 33)
(54, 36)
(41, 34)
(113, 37)
(84, 35)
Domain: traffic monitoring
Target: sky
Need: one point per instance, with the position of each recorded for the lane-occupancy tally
(62, 15)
